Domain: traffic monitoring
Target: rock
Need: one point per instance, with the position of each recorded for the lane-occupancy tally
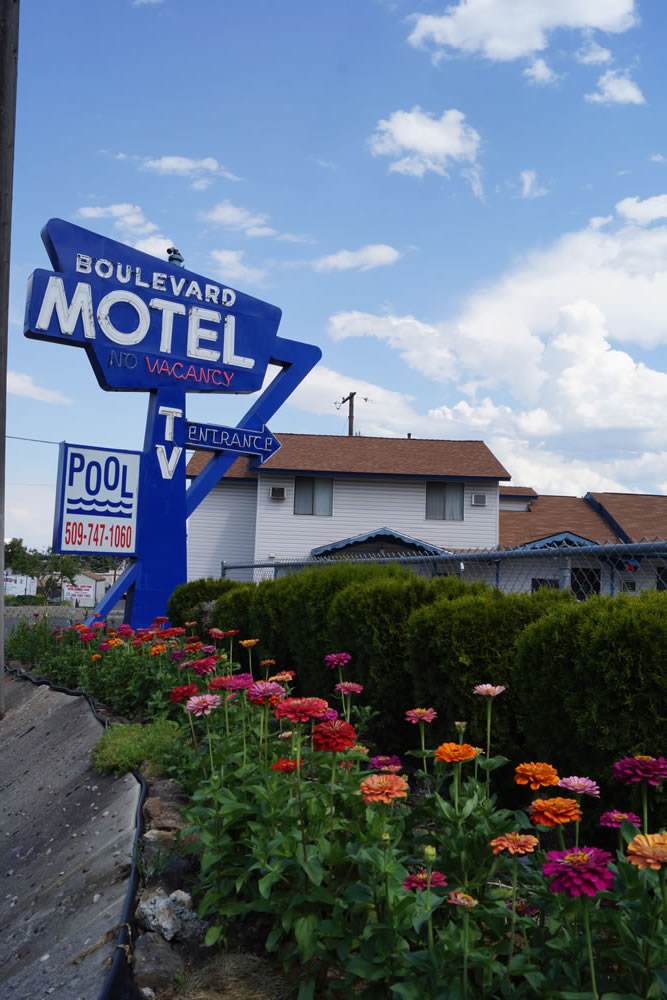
(170, 916)
(155, 963)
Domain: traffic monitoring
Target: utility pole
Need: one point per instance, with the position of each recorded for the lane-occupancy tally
(350, 413)
(9, 45)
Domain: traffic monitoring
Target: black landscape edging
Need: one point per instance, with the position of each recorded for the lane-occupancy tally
(118, 984)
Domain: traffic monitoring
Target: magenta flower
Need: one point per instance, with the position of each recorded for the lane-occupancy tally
(184, 664)
(334, 660)
(237, 682)
(631, 769)
(488, 690)
(104, 645)
(265, 689)
(419, 881)
(208, 650)
(349, 687)
(616, 818)
(329, 716)
(416, 715)
(205, 665)
(177, 654)
(99, 625)
(580, 786)
(201, 704)
(579, 871)
(383, 760)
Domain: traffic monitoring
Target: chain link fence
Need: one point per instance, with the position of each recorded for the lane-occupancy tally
(584, 569)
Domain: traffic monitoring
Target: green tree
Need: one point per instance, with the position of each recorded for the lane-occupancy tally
(59, 567)
(23, 561)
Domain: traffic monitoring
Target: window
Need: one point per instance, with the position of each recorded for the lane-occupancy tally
(629, 586)
(661, 578)
(444, 501)
(313, 496)
(584, 582)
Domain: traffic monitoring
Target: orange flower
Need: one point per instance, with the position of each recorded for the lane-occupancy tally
(383, 788)
(455, 752)
(538, 775)
(267, 663)
(648, 851)
(248, 643)
(190, 624)
(284, 677)
(515, 843)
(96, 656)
(158, 648)
(553, 812)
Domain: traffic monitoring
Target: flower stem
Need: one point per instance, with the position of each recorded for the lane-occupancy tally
(298, 791)
(515, 875)
(589, 946)
(489, 702)
(210, 748)
(421, 733)
(466, 921)
(561, 838)
(457, 772)
(333, 779)
(428, 907)
(645, 805)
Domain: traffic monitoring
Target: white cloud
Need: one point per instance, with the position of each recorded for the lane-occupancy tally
(474, 177)
(19, 384)
(658, 158)
(128, 218)
(366, 259)
(229, 267)
(616, 87)
(231, 216)
(592, 54)
(146, 3)
(512, 29)
(540, 73)
(419, 142)
(529, 186)
(156, 246)
(643, 212)
(185, 166)
(419, 344)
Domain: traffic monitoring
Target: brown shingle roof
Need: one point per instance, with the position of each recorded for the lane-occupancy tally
(516, 491)
(371, 456)
(639, 515)
(551, 516)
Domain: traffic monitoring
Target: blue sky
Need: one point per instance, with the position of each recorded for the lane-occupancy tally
(464, 205)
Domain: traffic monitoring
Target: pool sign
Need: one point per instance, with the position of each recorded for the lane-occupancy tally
(149, 325)
(97, 500)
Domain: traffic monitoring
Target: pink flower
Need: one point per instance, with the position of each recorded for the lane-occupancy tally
(204, 666)
(488, 690)
(651, 769)
(329, 716)
(383, 760)
(460, 898)
(579, 871)
(348, 687)
(615, 819)
(265, 689)
(416, 715)
(334, 660)
(202, 704)
(419, 881)
(237, 682)
(580, 786)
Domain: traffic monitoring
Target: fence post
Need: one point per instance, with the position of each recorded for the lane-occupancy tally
(564, 577)
(223, 569)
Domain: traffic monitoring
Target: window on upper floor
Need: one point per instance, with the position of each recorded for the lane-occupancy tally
(444, 501)
(313, 495)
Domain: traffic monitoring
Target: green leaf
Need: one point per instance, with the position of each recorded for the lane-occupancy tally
(212, 935)
(273, 938)
(492, 764)
(313, 870)
(304, 931)
(406, 991)
(620, 996)
(307, 990)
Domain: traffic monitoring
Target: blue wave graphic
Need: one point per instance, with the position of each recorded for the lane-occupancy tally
(107, 503)
(101, 511)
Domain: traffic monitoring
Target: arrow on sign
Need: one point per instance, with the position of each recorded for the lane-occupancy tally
(239, 440)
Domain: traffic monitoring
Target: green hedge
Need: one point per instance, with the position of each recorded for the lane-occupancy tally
(232, 611)
(185, 604)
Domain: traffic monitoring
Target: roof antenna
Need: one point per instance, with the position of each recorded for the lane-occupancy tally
(175, 256)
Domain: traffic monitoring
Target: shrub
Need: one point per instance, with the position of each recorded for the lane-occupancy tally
(186, 601)
(125, 747)
(232, 609)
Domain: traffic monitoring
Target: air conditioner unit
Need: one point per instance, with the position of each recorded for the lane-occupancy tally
(478, 500)
(278, 493)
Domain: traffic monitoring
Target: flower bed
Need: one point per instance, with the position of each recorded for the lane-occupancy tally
(381, 877)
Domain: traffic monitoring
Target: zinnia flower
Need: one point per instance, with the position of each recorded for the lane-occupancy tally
(349, 687)
(416, 715)
(204, 666)
(579, 871)
(648, 851)
(265, 689)
(248, 643)
(537, 775)
(580, 786)
(419, 881)
(383, 760)
(301, 709)
(334, 660)
(553, 812)
(284, 677)
(455, 752)
(460, 898)
(615, 819)
(216, 633)
(651, 769)
(329, 716)
(267, 663)
(488, 690)
(383, 788)
(285, 765)
(235, 682)
(202, 704)
(181, 693)
(515, 843)
(334, 736)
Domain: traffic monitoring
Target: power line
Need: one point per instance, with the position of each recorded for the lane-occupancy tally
(15, 437)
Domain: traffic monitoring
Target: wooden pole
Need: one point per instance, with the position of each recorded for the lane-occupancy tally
(9, 46)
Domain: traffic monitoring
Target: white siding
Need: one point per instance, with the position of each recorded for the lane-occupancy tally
(361, 505)
(223, 528)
